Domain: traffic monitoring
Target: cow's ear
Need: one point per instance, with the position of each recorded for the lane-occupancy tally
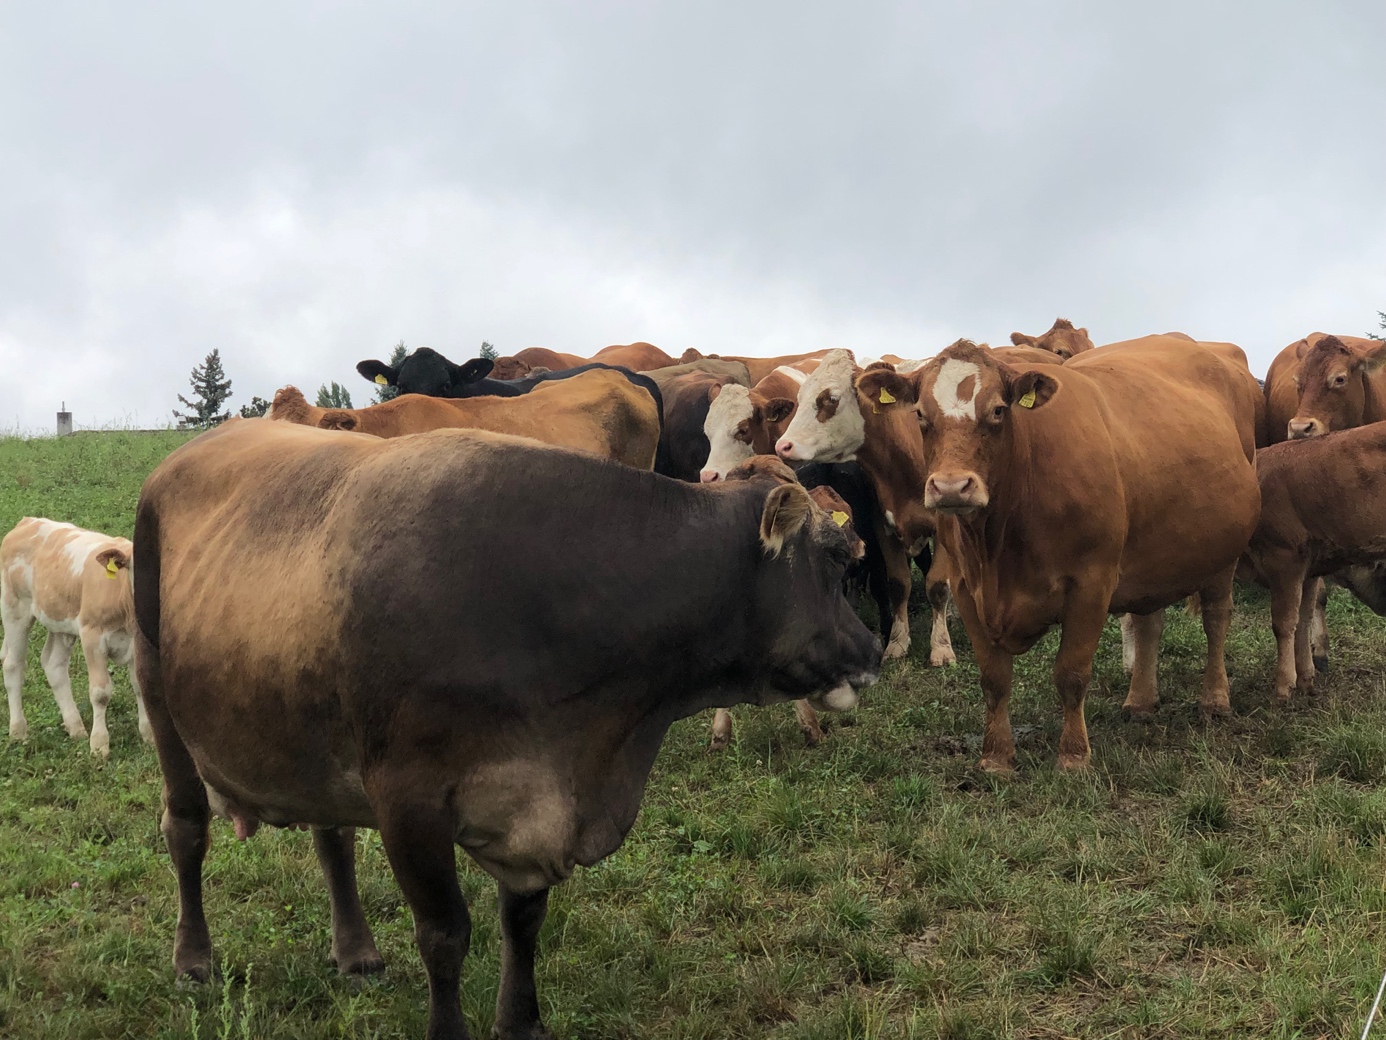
(713, 391)
(471, 371)
(787, 509)
(1371, 358)
(778, 409)
(1301, 348)
(1019, 339)
(337, 419)
(884, 386)
(1031, 389)
(378, 372)
(691, 354)
(112, 560)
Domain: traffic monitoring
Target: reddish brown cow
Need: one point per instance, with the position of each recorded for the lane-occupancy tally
(1061, 339)
(523, 362)
(758, 367)
(1323, 512)
(638, 357)
(1121, 481)
(599, 411)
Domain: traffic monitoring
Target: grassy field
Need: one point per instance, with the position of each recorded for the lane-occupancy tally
(1226, 880)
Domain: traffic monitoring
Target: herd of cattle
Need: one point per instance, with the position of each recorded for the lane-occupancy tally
(469, 615)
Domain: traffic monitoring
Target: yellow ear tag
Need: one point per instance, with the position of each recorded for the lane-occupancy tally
(382, 380)
(840, 518)
(111, 569)
(886, 396)
(1027, 400)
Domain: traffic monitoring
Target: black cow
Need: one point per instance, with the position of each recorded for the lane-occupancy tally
(459, 638)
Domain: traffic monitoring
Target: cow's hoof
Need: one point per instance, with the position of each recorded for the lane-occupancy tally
(534, 1032)
(77, 732)
(942, 656)
(1138, 712)
(195, 973)
(1281, 697)
(718, 742)
(997, 766)
(813, 737)
(20, 732)
(101, 751)
(1069, 763)
(1215, 709)
(1321, 663)
(897, 649)
(363, 962)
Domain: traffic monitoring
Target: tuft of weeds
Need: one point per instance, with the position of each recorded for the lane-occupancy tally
(1353, 752)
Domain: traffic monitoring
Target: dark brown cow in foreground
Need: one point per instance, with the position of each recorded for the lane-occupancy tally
(1121, 481)
(599, 411)
(1062, 339)
(1323, 512)
(463, 639)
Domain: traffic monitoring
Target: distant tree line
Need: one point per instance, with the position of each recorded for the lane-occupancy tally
(211, 390)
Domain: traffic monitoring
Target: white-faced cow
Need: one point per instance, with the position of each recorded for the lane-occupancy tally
(1122, 481)
(746, 421)
(459, 638)
(76, 584)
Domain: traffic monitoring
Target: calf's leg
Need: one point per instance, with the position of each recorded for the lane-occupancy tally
(146, 731)
(13, 657)
(353, 947)
(517, 1003)
(99, 689)
(418, 841)
(1143, 632)
(1216, 605)
(57, 652)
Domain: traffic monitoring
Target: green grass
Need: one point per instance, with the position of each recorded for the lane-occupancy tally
(1224, 880)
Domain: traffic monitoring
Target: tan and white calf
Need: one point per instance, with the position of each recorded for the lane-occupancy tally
(75, 583)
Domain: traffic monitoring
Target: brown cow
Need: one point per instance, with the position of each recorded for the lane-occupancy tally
(742, 423)
(1323, 512)
(758, 367)
(1061, 339)
(599, 411)
(524, 362)
(76, 583)
(1122, 481)
(725, 371)
(638, 357)
(686, 401)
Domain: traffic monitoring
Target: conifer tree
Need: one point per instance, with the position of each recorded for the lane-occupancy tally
(257, 407)
(334, 396)
(489, 352)
(211, 389)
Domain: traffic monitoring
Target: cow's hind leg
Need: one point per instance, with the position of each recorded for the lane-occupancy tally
(517, 1003)
(1304, 654)
(899, 581)
(418, 842)
(57, 654)
(14, 653)
(936, 588)
(995, 667)
(1143, 631)
(1216, 602)
(1318, 631)
(808, 722)
(1285, 575)
(353, 947)
(99, 688)
(1084, 618)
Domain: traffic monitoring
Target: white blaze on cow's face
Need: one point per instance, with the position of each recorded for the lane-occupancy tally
(955, 389)
(828, 425)
(728, 430)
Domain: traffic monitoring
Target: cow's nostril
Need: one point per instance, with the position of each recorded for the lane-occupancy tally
(785, 448)
(709, 476)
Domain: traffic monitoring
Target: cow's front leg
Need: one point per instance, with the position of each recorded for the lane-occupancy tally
(1286, 577)
(937, 589)
(1085, 615)
(353, 947)
(1304, 653)
(995, 666)
(1143, 631)
(1216, 601)
(418, 842)
(517, 1003)
(1318, 632)
(899, 581)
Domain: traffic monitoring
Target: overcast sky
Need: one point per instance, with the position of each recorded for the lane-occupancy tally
(304, 184)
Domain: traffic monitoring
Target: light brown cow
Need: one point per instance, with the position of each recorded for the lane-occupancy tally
(1323, 512)
(743, 422)
(600, 411)
(524, 362)
(76, 583)
(758, 367)
(1061, 339)
(638, 357)
(828, 500)
(1122, 481)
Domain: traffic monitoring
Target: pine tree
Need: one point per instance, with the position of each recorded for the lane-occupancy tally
(211, 389)
(489, 352)
(397, 356)
(257, 407)
(1381, 315)
(334, 396)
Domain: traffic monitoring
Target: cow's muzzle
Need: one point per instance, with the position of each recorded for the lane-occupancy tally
(955, 493)
(1300, 429)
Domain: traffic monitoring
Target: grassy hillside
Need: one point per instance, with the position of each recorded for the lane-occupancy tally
(1199, 881)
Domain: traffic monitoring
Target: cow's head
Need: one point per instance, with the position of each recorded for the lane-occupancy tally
(840, 513)
(966, 406)
(290, 405)
(740, 423)
(510, 368)
(817, 646)
(427, 372)
(827, 425)
(1332, 383)
(1061, 339)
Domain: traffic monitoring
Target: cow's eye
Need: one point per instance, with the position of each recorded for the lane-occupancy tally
(1339, 379)
(998, 413)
